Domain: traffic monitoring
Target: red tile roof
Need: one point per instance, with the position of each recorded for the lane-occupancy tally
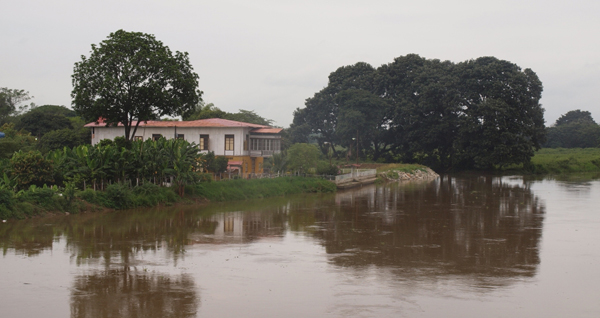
(210, 122)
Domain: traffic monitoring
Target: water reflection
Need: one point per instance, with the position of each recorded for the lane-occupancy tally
(132, 293)
(448, 226)
(484, 231)
(453, 225)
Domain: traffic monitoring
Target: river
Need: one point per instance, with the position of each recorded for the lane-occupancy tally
(459, 246)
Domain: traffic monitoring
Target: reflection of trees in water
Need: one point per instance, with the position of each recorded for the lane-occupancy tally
(120, 236)
(448, 226)
(28, 237)
(125, 293)
(116, 236)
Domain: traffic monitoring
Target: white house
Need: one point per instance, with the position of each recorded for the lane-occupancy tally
(244, 144)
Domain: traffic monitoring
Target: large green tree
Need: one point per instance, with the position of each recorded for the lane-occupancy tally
(502, 121)
(423, 98)
(132, 77)
(320, 116)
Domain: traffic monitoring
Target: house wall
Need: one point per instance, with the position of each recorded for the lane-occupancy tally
(216, 136)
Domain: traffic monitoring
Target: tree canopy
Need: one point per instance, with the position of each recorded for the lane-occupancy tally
(575, 116)
(575, 129)
(39, 122)
(132, 77)
(476, 114)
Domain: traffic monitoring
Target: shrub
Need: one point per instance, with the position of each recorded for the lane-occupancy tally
(6, 198)
(44, 197)
(31, 168)
(7, 203)
(150, 194)
(324, 168)
(118, 196)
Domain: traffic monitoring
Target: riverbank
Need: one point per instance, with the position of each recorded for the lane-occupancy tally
(46, 201)
(242, 189)
(404, 172)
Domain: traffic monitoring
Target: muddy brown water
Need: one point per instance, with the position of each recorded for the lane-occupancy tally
(461, 246)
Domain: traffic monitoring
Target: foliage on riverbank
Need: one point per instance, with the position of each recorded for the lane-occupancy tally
(35, 200)
(40, 200)
(242, 189)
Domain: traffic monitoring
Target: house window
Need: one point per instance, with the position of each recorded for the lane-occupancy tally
(203, 142)
(265, 144)
(137, 138)
(180, 136)
(228, 142)
(156, 137)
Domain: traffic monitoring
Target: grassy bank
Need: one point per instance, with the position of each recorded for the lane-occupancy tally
(241, 189)
(562, 160)
(39, 201)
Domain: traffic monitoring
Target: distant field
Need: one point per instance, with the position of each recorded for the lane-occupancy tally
(562, 160)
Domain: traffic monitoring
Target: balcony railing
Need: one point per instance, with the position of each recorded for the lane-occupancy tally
(263, 153)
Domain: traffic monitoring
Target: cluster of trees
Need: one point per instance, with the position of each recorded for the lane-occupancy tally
(43, 128)
(477, 114)
(173, 161)
(30, 127)
(575, 129)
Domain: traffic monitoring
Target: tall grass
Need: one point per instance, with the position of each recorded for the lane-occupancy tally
(242, 189)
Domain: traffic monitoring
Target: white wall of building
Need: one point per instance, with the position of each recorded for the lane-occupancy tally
(216, 135)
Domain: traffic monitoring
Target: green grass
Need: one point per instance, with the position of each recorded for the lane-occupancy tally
(241, 189)
(561, 160)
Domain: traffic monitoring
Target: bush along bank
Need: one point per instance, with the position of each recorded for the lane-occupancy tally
(242, 189)
(42, 200)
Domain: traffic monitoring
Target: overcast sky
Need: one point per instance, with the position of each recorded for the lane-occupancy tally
(270, 56)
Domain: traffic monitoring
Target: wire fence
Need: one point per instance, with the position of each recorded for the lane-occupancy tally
(233, 176)
(346, 176)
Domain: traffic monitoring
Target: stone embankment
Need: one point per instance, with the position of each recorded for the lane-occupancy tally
(418, 174)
